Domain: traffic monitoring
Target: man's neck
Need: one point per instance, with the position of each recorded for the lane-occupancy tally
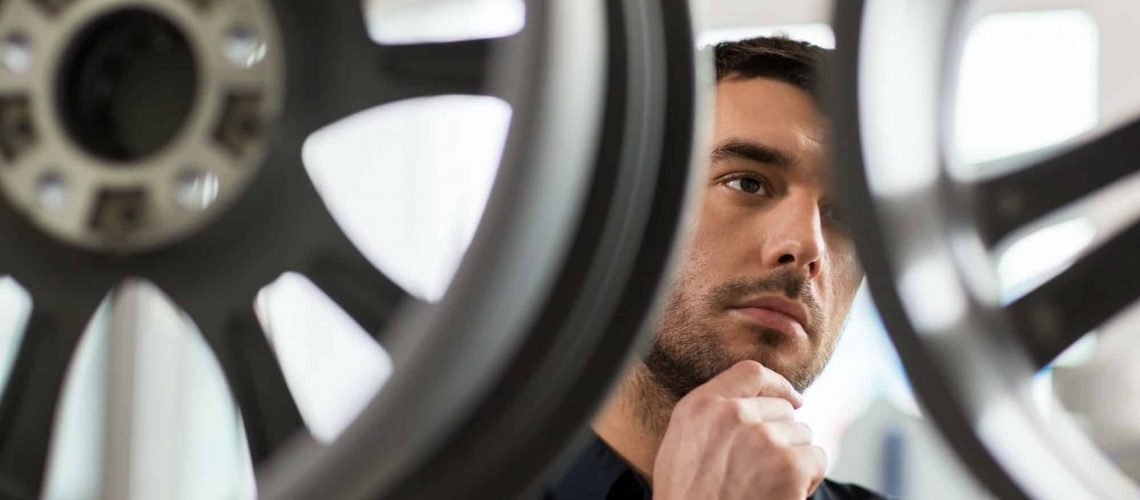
(633, 420)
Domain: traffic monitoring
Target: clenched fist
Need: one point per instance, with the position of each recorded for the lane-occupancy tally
(735, 437)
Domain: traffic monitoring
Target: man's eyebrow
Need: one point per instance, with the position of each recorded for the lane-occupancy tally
(750, 150)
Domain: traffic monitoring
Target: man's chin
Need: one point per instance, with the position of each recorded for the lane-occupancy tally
(791, 364)
(680, 366)
(766, 346)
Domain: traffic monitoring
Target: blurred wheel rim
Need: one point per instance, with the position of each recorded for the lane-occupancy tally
(923, 238)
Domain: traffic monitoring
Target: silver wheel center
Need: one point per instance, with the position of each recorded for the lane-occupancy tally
(127, 125)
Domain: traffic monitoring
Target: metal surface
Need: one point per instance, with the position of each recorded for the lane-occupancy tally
(121, 434)
(541, 316)
(927, 240)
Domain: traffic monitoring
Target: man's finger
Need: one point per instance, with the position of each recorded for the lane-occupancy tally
(767, 409)
(789, 433)
(816, 459)
(748, 379)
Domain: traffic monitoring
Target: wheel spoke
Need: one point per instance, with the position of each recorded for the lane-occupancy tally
(1099, 285)
(335, 69)
(256, 380)
(1011, 201)
(31, 396)
(361, 290)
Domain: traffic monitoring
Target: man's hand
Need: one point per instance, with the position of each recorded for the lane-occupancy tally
(735, 437)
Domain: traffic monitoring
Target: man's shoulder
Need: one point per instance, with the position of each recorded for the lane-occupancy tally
(831, 490)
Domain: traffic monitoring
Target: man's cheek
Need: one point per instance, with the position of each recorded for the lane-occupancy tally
(845, 278)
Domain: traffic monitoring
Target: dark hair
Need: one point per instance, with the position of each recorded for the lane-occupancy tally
(778, 57)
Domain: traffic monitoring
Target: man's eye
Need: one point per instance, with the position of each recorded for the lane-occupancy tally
(750, 185)
(835, 214)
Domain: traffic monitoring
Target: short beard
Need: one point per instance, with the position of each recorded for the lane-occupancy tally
(687, 351)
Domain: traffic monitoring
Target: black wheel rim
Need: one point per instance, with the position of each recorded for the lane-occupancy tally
(543, 313)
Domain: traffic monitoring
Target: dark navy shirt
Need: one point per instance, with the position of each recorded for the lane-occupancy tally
(598, 474)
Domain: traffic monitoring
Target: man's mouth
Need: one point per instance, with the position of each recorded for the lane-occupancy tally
(776, 313)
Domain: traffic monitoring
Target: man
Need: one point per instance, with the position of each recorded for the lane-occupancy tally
(755, 311)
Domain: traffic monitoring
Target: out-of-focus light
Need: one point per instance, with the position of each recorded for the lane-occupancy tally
(15, 307)
(333, 368)
(932, 294)
(1015, 440)
(1041, 254)
(1010, 98)
(899, 109)
(417, 21)
(408, 181)
(817, 33)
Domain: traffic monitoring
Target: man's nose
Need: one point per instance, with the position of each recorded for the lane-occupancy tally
(795, 237)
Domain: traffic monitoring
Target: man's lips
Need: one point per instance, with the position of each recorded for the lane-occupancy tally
(775, 312)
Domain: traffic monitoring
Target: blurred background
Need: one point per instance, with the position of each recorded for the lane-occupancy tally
(408, 183)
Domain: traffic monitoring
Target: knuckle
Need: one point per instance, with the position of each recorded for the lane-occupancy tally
(784, 407)
(731, 411)
(822, 459)
(751, 368)
(806, 430)
(778, 409)
(738, 413)
(799, 479)
(804, 483)
(789, 469)
(693, 402)
(789, 463)
(763, 434)
(685, 403)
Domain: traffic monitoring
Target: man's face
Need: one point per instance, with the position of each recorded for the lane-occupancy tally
(772, 272)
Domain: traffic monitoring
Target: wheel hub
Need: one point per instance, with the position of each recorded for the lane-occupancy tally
(127, 86)
(128, 125)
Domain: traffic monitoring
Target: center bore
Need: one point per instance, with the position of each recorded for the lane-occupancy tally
(127, 85)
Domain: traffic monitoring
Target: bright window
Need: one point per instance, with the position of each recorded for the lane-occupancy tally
(817, 33)
(1027, 80)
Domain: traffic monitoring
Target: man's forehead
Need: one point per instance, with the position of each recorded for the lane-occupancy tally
(773, 114)
(769, 106)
